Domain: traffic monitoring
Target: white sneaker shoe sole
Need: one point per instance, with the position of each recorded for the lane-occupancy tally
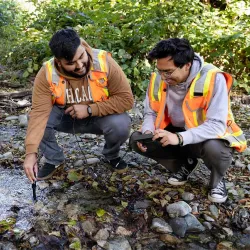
(216, 199)
(175, 182)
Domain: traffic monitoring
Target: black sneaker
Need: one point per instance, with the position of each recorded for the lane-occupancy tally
(181, 177)
(219, 193)
(47, 171)
(118, 165)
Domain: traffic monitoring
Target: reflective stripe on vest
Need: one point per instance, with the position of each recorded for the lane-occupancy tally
(157, 99)
(57, 83)
(98, 76)
(97, 79)
(196, 103)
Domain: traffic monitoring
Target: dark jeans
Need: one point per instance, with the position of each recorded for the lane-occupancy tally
(115, 128)
(215, 154)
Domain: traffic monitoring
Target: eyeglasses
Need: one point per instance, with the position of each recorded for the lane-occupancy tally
(166, 73)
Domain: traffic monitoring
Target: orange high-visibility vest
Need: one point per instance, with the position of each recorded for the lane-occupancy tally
(196, 103)
(97, 79)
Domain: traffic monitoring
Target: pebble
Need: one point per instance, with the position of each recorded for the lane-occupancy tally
(161, 226)
(33, 240)
(207, 225)
(228, 231)
(246, 152)
(170, 239)
(88, 136)
(239, 164)
(102, 234)
(92, 161)
(78, 163)
(247, 230)
(89, 227)
(186, 196)
(7, 156)
(11, 118)
(208, 218)
(123, 231)
(193, 224)
(118, 244)
(214, 210)
(142, 204)
(233, 192)
(195, 209)
(180, 208)
(23, 121)
(179, 226)
(225, 245)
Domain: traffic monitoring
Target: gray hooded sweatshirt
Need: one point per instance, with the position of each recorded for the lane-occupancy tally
(215, 123)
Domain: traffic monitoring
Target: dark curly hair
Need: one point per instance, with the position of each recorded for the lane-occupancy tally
(64, 44)
(179, 49)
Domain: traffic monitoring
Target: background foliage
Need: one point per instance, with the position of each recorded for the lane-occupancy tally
(218, 30)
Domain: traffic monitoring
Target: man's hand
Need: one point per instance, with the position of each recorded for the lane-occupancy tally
(30, 166)
(78, 111)
(168, 138)
(142, 147)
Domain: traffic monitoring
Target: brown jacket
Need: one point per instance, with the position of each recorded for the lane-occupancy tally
(120, 99)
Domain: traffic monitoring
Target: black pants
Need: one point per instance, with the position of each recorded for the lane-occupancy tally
(215, 154)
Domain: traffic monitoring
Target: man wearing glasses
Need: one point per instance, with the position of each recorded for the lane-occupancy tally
(187, 111)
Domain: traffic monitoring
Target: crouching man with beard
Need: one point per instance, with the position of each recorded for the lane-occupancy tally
(79, 90)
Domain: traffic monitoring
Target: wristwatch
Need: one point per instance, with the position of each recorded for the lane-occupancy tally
(89, 110)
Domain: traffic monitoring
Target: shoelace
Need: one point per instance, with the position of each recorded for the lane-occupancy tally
(219, 189)
(181, 173)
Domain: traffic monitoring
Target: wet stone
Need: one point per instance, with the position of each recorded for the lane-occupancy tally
(225, 245)
(179, 226)
(102, 234)
(208, 218)
(244, 242)
(193, 225)
(233, 192)
(207, 225)
(7, 246)
(142, 204)
(89, 227)
(33, 241)
(123, 231)
(92, 161)
(23, 121)
(154, 244)
(195, 207)
(170, 239)
(118, 244)
(193, 246)
(248, 167)
(161, 226)
(7, 156)
(186, 196)
(247, 230)
(10, 118)
(78, 163)
(214, 210)
(204, 239)
(239, 164)
(229, 185)
(246, 152)
(177, 209)
(228, 231)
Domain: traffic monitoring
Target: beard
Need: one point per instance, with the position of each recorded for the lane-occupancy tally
(75, 74)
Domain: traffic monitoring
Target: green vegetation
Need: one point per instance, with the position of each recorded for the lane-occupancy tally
(129, 29)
